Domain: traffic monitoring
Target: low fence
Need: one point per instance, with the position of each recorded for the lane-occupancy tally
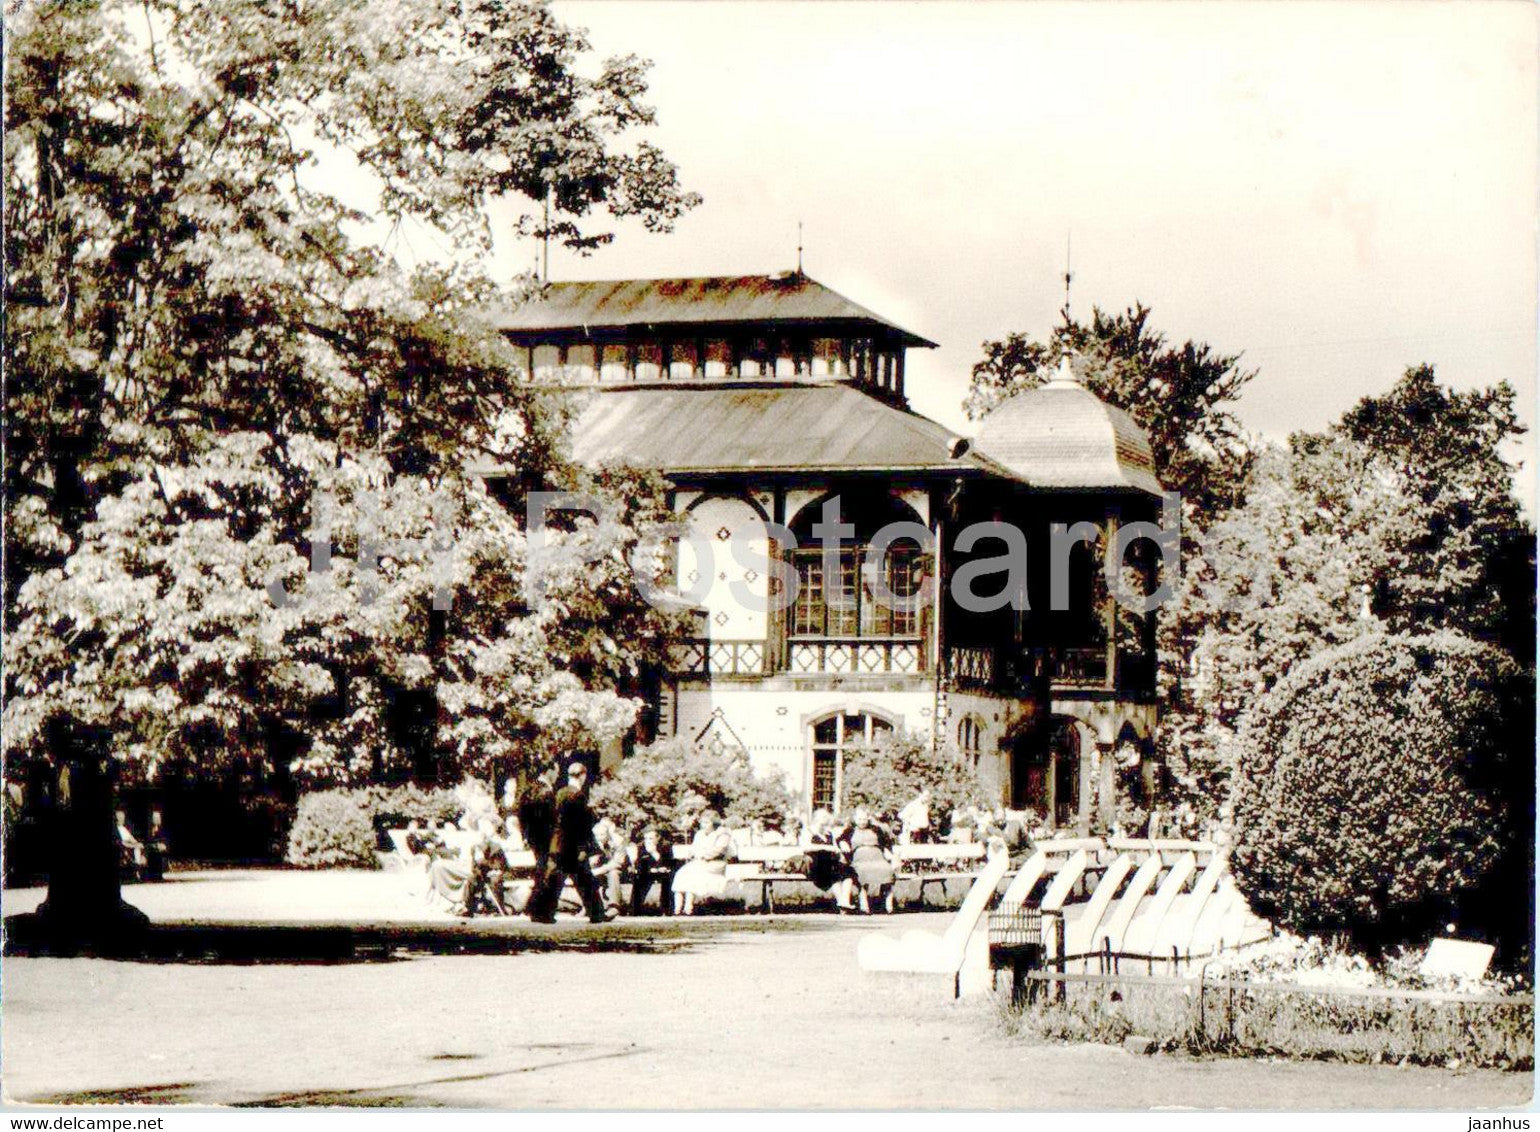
(1242, 1016)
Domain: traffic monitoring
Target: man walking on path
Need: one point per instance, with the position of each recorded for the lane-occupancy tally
(571, 844)
(537, 819)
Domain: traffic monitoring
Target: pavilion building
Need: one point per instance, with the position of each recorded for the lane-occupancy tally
(763, 399)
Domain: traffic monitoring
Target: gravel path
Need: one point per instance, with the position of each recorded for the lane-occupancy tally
(738, 1017)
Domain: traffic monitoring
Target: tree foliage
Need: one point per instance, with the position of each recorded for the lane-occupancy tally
(1467, 551)
(205, 336)
(165, 628)
(181, 262)
(1353, 532)
(670, 783)
(1370, 792)
(886, 775)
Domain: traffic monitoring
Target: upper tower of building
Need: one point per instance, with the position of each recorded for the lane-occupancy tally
(1062, 436)
(756, 328)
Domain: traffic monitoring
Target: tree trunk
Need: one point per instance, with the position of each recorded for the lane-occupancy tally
(84, 910)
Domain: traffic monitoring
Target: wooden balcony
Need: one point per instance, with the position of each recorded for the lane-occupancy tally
(705, 658)
(972, 667)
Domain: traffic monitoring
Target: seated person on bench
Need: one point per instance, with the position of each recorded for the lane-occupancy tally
(652, 862)
(869, 850)
(489, 872)
(610, 862)
(823, 861)
(705, 873)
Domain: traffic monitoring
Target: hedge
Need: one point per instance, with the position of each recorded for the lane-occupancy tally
(886, 776)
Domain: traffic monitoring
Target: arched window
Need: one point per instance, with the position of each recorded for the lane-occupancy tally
(835, 599)
(970, 739)
(832, 736)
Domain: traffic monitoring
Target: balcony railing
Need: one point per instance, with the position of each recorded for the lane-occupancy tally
(705, 657)
(855, 655)
(1081, 668)
(973, 667)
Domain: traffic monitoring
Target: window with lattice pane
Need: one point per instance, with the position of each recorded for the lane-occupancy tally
(832, 737)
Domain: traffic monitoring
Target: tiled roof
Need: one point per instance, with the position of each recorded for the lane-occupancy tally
(781, 427)
(1061, 435)
(616, 304)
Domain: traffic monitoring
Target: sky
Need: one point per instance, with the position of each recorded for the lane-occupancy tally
(1335, 190)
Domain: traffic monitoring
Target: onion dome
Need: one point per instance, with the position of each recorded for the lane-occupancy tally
(1061, 435)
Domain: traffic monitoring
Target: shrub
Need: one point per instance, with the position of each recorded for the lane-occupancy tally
(1252, 1019)
(671, 782)
(1368, 788)
(342, 828)
(885, 776)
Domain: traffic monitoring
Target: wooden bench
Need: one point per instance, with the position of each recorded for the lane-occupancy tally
(766, 866)
(937, 863)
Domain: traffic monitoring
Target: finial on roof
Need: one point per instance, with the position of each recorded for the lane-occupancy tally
(1069, 275)
(799, 249)
(1065, 374)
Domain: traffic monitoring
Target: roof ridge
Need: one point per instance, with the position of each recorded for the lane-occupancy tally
(784, 297)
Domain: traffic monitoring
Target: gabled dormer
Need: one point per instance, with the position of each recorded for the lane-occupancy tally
(759, 328)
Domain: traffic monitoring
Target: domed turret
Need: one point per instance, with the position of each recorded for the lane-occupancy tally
(1061, 435)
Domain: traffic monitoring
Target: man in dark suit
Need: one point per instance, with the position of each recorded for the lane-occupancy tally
(652, 862)
(571, 844)
(537, 817)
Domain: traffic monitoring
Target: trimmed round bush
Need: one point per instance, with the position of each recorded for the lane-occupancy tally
(1368, 793)
(342, 828)
(332, 829)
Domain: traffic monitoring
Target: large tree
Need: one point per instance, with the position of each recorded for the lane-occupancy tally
(1399, 519)
(205, 333)
(179, 261)
(1470, 558)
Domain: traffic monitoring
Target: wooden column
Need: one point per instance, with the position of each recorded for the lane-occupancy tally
(1109, 532)
(1051, 791)
(775, 657)
(937, 645)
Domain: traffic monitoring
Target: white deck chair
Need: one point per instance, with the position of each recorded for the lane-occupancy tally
(925, 952)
